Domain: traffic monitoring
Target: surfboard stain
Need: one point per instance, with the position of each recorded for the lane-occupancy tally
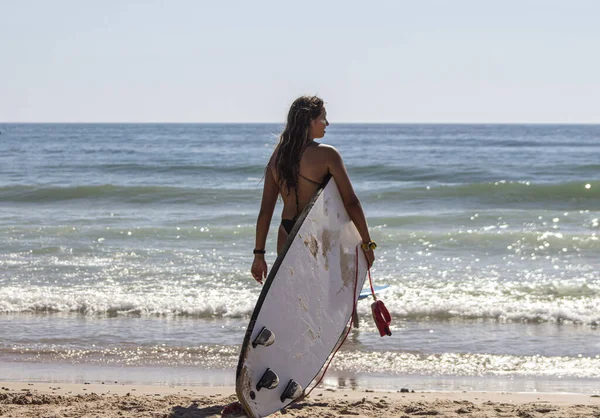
(291, 272)
(246, 380)
(326, 239)
(313, 246)
(310, 331)
(302, 304)
(348, 269)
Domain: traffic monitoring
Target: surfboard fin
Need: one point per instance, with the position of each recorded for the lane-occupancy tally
(292, 391)
(268, 380)
(265, 337)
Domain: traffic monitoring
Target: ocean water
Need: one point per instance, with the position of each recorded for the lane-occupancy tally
(125, 252)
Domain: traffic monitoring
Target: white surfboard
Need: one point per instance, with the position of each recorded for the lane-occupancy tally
(304, 306)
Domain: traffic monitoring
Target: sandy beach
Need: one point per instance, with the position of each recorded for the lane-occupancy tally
(54, 400)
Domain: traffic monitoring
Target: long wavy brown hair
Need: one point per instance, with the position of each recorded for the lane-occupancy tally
(294, 139)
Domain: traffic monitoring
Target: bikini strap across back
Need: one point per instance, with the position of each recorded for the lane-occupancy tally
(296, 192)
(312, 181)
(288, 224)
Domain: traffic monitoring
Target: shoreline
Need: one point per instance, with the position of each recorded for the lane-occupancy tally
(188, 376)
(125, 400)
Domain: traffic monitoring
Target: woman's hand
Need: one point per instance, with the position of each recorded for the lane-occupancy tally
(370, 257)
(259, 268)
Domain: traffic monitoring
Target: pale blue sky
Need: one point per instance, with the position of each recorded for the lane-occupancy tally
(245, 61)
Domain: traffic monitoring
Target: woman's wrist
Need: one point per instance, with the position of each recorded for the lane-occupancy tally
(259, 252)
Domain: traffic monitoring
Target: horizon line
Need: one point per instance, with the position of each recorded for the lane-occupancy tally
(282, 123)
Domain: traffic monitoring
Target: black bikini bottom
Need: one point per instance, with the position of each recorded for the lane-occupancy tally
(288, 224)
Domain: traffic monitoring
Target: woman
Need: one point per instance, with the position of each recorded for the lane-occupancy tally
(295, 170)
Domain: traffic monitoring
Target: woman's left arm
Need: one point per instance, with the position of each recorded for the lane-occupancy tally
(265, 214)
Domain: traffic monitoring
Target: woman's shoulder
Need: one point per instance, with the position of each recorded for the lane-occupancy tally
(323, 155)
(326, 149)
(329, 152)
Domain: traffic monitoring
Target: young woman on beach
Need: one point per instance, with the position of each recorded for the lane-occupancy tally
(295, 170)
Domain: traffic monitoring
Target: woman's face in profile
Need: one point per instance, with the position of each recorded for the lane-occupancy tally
(318, 125)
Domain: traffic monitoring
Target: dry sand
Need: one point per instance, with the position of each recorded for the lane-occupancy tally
(114, 400)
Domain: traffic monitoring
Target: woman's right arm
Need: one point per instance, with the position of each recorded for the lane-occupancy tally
(267, 206)
(338, 170)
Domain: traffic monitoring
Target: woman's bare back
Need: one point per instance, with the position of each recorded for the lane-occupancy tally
(314, 167)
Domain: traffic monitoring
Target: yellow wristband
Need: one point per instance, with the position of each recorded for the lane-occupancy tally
(366, 246)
